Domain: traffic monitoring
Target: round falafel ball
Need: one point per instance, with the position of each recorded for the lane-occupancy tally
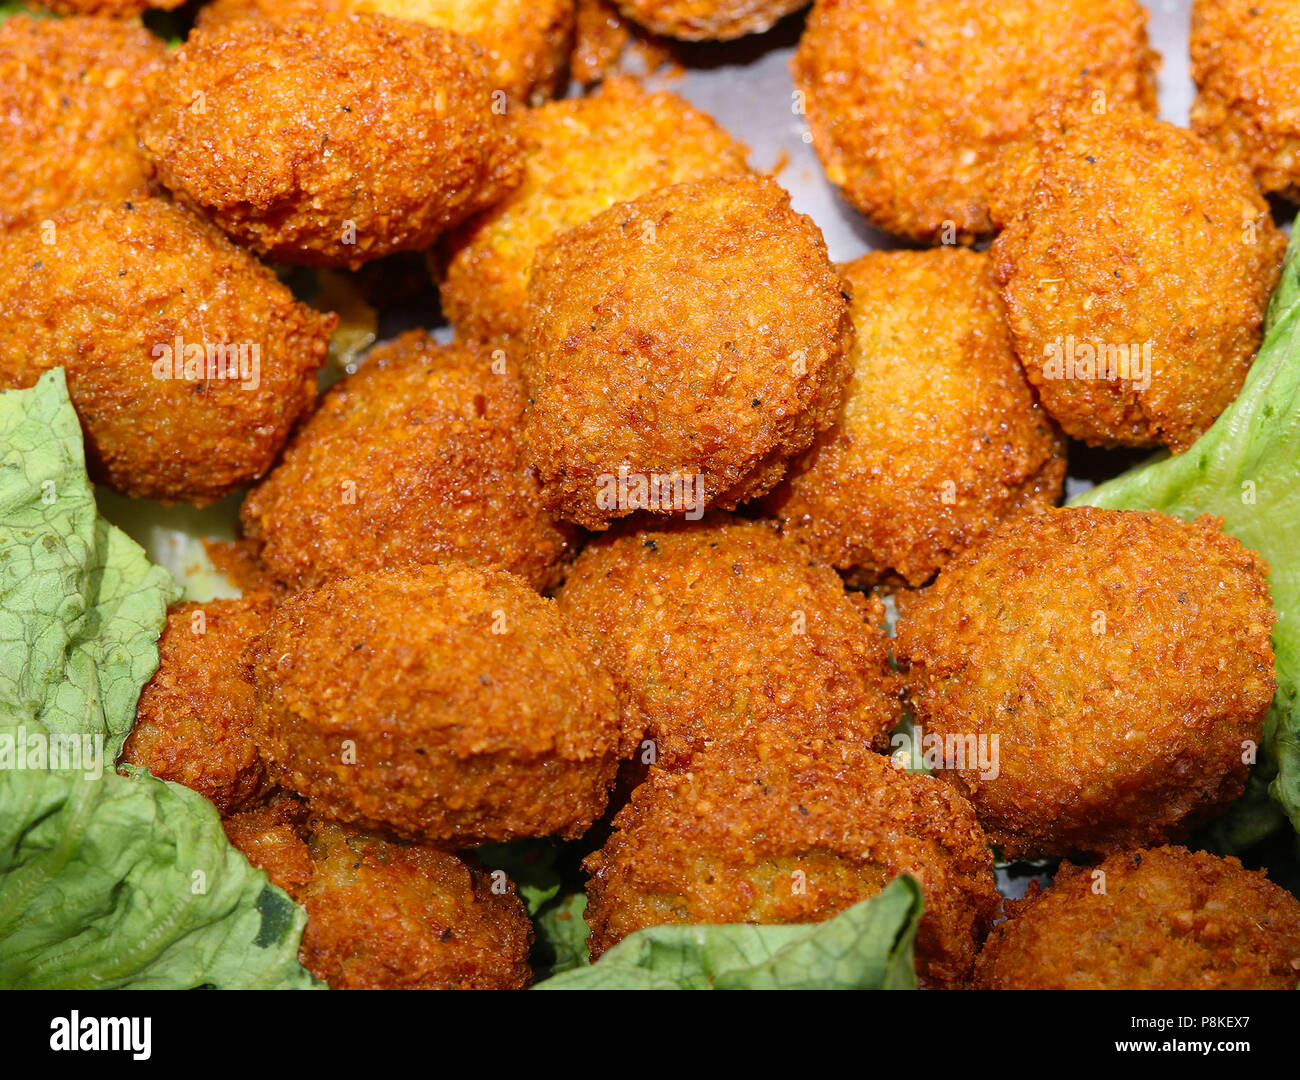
(940, 436)
(1136, 267)
(194, 720)
(395, 135)
(761, 830)
(187, 360)
(679, 349)
(1244, 60)
(525, 43)
(444, 704)
(708, 20)
(413, 459)
(580, 156)
(1161, 919)
(911, 102)
(1116, 664)
(71, 94)
(116, 9)
(386, 915)
(724, 627)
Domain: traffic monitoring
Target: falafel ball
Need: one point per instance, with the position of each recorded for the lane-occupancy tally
(1116, 664)
(395, 135)
(761, 830)
(680, 349)
(194, 720)
(386, 915)
(580, 157)
(1161, 919)
(444, 704)
(1136, 268)
(413, 459)
(910, 103)
(71, 94)
(187, 360)
(723, 627)
(708, 20)
(117, 9)
(1245, 62)
(525, 42)
(940, 437)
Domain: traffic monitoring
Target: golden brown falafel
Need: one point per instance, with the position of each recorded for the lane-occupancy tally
(680, 348)
(194, 719)
(187, 360)
(525, 43)
(413, 459)
(71, 94)
(1136, 269)
(723, 627)
(1161, 919)
(385, 915)
(940, 436)
(1117, 664)
(444, 704)
(910, 101)
(395, 135)
(580, 157)
(761, 830)
(118, 9)
(1246, 62)
(708, 20)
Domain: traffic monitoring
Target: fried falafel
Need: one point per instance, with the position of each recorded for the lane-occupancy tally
(940, 436)
(708, 20)
(1117, 664)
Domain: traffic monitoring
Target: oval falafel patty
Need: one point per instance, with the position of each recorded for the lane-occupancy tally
(72, 92)
(1115, 665)
(1137, 266)
(760, 830)
(910, 102)
(187, 360)
(413, 459)
(443, 704)
(1160, 919)
(194, 720)
(395, 137)
(580, 156)
(387, 915)
(723, 628)
(679, 349)
(708, 20)
(940, 436)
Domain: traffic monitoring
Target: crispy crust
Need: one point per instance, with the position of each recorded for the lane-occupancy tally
(117, 283)
(697, 332)
(384, 915)
(116, 9)
(1244, 60)
(525, 43)
(473, 712)
(414, 459)
(415, 141)
(911, 101)
(580, 157)
(1168, 919)
(722, 627)
(940, 436)
(71, 94)
(764, 831)
(708, 20)
(1122, 659)
(194, 720)
(1132, 231)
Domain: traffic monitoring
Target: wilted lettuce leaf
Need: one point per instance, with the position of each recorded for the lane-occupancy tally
(1246, 469)
(105, 880)
(866, 947)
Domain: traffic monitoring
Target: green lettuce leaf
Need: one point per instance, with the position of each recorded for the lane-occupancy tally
(561, 940)
(1246, 469)
(866, 947)
(106, 880)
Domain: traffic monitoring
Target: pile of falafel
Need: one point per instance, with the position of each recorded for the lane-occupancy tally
(611, 566)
